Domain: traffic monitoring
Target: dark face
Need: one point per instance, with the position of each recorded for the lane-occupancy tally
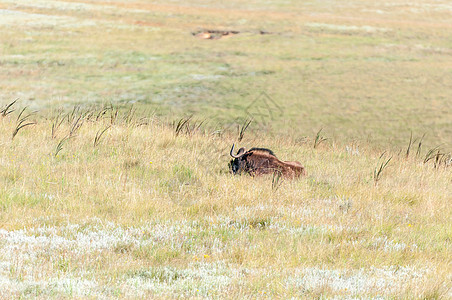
(236, 165)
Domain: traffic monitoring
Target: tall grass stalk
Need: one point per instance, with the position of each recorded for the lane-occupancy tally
(381, 165)
(8, 109)
(242, 129)
(22, 121)
(98, 136)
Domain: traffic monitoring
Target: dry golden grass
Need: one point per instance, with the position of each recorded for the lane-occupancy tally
(146, 212)
(95, 204)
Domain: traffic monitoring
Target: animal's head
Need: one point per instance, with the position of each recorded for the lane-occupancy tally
(238, 163)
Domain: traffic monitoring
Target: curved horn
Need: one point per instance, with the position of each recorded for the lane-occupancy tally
(239, 153)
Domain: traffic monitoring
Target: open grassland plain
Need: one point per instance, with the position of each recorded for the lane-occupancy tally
(102, 204)
(362, 70)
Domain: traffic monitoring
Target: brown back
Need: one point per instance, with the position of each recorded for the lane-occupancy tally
(262, 162)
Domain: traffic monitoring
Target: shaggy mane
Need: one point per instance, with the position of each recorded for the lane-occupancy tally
(265, 150)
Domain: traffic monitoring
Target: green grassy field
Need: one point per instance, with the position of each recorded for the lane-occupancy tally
(361, 70)
(99, 204)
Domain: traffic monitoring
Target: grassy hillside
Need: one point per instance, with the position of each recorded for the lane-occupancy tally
(362, 70)
(139, 210)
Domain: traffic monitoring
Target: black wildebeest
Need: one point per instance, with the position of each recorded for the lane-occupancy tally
(259, 161)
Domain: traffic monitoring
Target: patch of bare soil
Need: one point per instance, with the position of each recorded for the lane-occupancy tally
(214, 34)
(208, 34)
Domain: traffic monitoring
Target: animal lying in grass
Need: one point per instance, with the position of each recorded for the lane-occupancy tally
(260, 161)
